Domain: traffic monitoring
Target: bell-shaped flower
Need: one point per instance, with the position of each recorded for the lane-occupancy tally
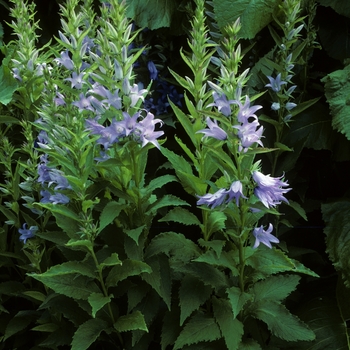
(235, 192)
(223, 105)
(26, 233)
(213, 131)
(270, 190)
(213, 199)
(264, 236)
(275, 83)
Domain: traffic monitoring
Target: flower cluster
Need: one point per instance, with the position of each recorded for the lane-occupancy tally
(142, 131)
(50, 176)
(270, 190)
(213, 200)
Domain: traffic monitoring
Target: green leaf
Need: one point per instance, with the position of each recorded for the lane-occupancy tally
(35, 295)
(280, 321)
(303, 106)
(165, 201)
(152, 14)
(268, 261)
(298, 208)
(237, 299)
(71, 285)
(109, 213)
(337, 88)
(7, 87)
(131, 322)
(274, 288)
(200, 328)
(254, 14)
(128, 268)
(231, 328)
(47, 327)
(97, 302)
(173, 244)
(111, 261)
(87, 333)
(182, 216)
(337, 230)
(159, 182)
(192, 294)
(9, 120)
(216, 221)
(135, 233)
(340, 6)
(21, 320)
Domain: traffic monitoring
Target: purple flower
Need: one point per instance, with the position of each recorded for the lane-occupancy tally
(26, 233)
(270, 190)
(213, 131)
(153, 72)
(110, 98)
(56, 198)
(249, 134)
(57, 178)
(235, 191)
(290, 105)
(222, 104)
(84, 103)
(214, 199)
(65, 60)
(76, 80)
(264, 237)
(145, 130)
(245, 111)
(275, 84)
(136, 94)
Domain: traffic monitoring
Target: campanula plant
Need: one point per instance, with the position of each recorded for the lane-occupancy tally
(91, 242)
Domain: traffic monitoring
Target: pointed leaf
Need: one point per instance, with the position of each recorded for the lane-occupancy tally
(231, 328)
(97, 302)
(109, 213)
(192, 294)
(7, 87)
(237, 299)
(131, 322)
(87, 333)
(200, 328)
(280, 321)
(182, 216)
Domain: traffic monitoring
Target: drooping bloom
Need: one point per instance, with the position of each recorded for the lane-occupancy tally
(235, 192)
(245, 111)
(56, 198)
(223, 105)
(213, 199)
(270, 190)
(275, 83)
(26, 233)
(153, 72)
(264, 237)
(65, 60)
(145, 130)
(213, 131)
(76, 80)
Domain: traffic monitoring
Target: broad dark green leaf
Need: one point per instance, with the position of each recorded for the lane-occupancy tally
(182, 216)
(127, 268)
(275, 287)
(340, 6)
(254, 14)
(19, 322)
(109, 213)
(231, 328)
(97, 302)
(200, 328)
(237, 299)
(7, 87)
(87, 333)
(337, 218)
(280, 321)
(192, 294)
(337, 89)
(131, 322)
(70, 284)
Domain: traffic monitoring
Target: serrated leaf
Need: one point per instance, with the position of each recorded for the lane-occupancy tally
(71, 285)
(35, 295)
(298, 208)
(337, 88)
(87, 333)
(159, 182)
(337, 230)
(274, 288)
(97, 301)
(131, 322)
(231, 328)
(280, 321)
(109, 213)
(182, 216)
(111, 260)
(135, 233)
(173, 244)
(340, 6)
(254, 14)
(216, 221)
(237, 299)
(152, 14)
(47, 327)
(192, 294)
(200, 328)
(165, 201)
(128, 268)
